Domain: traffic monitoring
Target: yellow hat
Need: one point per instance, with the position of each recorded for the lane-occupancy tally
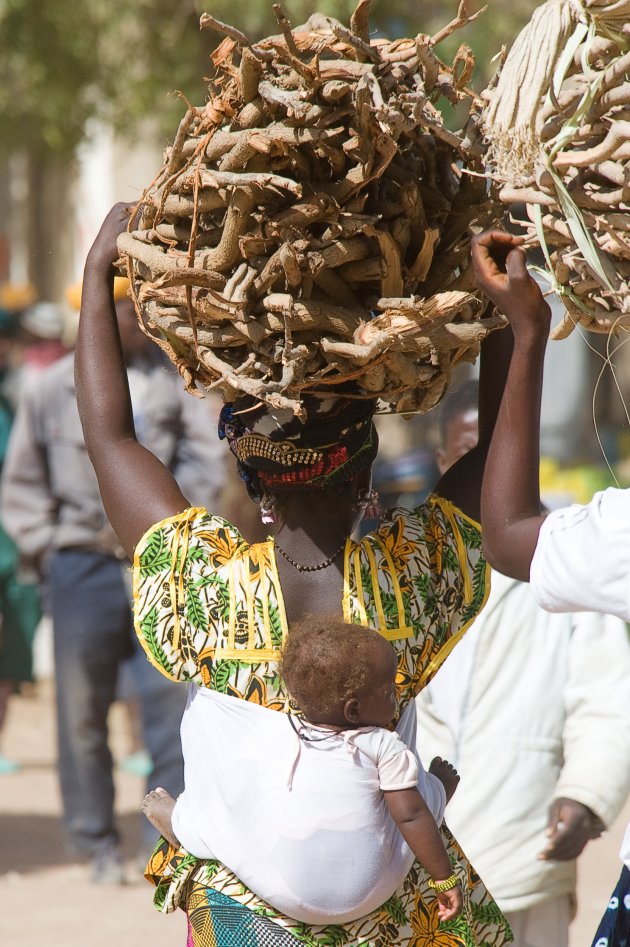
(16, 296)
(73, 293)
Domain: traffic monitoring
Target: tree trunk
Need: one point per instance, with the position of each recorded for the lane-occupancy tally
(49, 222)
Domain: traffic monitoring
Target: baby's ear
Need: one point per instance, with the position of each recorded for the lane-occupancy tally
(351, 710)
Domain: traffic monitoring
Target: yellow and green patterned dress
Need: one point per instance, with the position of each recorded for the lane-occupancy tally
(209, 609)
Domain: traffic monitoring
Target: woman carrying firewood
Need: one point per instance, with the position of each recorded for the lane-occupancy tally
(213, 610)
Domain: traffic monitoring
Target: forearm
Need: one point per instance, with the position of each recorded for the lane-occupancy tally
(137, 489)
(461, 484)
(419, 830)
(100, 373)
(494, 364)
(510, 498)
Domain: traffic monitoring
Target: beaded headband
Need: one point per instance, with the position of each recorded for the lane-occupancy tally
(279, 452)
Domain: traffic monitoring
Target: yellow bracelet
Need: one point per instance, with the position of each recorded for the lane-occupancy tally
(440, 886)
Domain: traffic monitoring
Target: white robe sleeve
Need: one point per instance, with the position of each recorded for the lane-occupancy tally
(582, 559)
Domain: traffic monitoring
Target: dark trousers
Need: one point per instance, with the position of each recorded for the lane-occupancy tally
(93, 636)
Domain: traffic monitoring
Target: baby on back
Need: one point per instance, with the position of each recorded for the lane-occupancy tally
(325, 825)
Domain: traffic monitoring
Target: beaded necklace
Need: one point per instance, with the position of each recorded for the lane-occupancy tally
(316, 568)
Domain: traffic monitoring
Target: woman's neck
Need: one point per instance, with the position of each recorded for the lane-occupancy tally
(315, 521)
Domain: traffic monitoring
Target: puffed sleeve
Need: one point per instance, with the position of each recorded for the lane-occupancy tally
(181, 591)
(433, 563)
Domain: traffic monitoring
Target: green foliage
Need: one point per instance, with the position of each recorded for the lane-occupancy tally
(148, 626)
(66, 62)
(396, 911)
(221, 674)
(195, 611)
(156, 556)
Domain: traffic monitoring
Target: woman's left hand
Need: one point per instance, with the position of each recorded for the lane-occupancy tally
(499, 264)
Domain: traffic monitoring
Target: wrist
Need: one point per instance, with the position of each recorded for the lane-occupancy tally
(444, 884)
(530, 342)
(98, 265)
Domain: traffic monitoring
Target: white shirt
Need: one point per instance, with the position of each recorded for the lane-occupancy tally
(303, 824)
(582, 559)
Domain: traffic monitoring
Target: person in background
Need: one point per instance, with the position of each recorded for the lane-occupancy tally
(19, 600)
(52, 508)
(41, 331)
(533, 710)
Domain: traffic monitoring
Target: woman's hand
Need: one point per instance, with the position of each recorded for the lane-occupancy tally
(499, 264)
(450, 903)
(104, 252)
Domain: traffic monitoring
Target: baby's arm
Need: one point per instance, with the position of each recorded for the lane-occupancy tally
(417, 826)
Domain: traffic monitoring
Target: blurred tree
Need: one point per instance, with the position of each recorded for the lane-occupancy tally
(65, 62)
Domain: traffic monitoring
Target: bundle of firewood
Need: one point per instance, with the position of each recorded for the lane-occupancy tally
(558, 124)
(311, 223)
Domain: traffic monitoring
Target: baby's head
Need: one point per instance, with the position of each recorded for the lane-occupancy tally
(340, 674)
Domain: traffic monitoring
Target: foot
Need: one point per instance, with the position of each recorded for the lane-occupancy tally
(446, 773)
(107, 866)
(138, 763)
(158, 807)
(7, 765)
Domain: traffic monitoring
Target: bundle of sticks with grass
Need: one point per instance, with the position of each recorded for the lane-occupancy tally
(311, 223)
(558, 123)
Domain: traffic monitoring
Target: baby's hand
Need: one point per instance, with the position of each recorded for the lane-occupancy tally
(450, 903)
(104, 251)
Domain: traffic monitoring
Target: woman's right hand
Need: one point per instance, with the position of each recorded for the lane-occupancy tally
(104, 252)
(500, 269)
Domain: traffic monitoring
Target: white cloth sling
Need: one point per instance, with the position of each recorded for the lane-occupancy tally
(303, 824)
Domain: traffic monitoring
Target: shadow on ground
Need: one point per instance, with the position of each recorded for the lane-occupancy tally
(31, 842)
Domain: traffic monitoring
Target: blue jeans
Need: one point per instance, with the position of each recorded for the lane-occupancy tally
(93, 636)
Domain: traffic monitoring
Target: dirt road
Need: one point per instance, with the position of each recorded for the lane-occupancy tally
(47, 900)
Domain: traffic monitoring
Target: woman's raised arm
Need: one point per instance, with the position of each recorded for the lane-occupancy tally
(137, 489)
(510, 497)
(510, 383)
(461, 483)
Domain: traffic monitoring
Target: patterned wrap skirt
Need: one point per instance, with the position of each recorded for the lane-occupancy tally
(614, 928)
